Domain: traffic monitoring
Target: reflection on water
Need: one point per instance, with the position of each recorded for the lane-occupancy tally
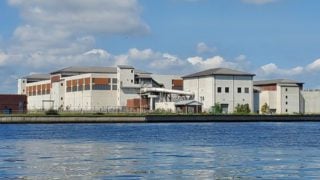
(170, 151)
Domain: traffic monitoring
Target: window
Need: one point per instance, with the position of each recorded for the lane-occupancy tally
(87, 87)
(286, 110)
(61, 98)
(286, 89)
(131, 81)
(114, 87)
(114, 80)
(239, 90)
(80, 88)
(68, 89)
(131, 71)
(246, 90)
(219, 89)
(61, 84)
(286, 102)
(101, 87)
(23, 81)
(226, 89)
(74, 88)
(286, 97)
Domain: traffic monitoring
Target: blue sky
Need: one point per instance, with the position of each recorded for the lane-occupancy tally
(272, 38)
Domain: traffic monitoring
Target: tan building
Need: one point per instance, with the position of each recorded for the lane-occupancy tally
(92, 88)
(227, 87)
(283, 96)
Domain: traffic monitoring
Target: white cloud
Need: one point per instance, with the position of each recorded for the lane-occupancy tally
(259, 2)
(240, 62)
(98, 53)
(82, 16)
(272, 69)
(3, 58)
(314, 66)
(204, 48)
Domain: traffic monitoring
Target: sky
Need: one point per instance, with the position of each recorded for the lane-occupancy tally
(271, 38)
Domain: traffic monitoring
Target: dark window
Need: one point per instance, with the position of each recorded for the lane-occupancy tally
(74, 88)
(286, 89)
(131, 71)
(87, 87)
(226, 90)
(286, 110)
(114, 80)
(219, 89)
(101, 87)
(114, 87)
(286, 97)
(246, 90)
(61, 84)
(80, 88)
(131, 81)
(61, 98)
(286, 103)
(68, 89)
(239, 90)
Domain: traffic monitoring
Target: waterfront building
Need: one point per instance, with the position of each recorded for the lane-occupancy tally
(223, 86)
(282, 96)
(311, 101)
(95, 88)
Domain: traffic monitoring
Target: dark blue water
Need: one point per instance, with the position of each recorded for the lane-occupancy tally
(161, 151)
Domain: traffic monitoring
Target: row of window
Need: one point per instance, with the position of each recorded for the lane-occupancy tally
(227, 90)
(34, 93)
(94, 87)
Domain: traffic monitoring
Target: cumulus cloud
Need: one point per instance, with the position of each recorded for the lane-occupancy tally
(259, 2)
(314, 66)
(272, 69)
(240, 62)
(3, 58)
(94, 16)
(204, 48)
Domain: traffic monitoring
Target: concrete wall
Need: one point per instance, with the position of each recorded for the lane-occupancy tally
(166, 80)
(311, 102)
(206, 90)
(289, 100)
(167, 106)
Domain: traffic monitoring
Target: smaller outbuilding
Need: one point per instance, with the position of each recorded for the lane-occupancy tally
(12, 103)
(188, 106)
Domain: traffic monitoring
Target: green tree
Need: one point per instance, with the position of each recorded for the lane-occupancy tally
(216, 109)
(265, 108)
(242, 109)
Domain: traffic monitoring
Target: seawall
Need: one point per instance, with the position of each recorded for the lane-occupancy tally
(160, 119)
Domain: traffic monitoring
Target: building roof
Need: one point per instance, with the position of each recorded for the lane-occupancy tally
(188, 103)
(276, 81)
(218, 71)
(86, 69)
(37, 77)
(92, 69)
(125, 67)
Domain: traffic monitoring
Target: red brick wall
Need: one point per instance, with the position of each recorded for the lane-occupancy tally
(12, 102)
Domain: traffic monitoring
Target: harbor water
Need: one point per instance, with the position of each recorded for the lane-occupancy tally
(160, 151)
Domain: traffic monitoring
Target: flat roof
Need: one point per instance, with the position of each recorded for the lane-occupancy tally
(86, 69)
(276, 81)
(218, 71)
(37, 77)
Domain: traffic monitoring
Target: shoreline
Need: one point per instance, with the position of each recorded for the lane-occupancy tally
(157, 119)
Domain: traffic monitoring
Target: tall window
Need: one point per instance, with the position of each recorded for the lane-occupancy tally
(219, 90)
(226, 89)
(246, 90)
(239, 89)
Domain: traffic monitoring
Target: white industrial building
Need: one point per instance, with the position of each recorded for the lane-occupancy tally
(283, 96)
(96, 88)
(311, 101)
(224, 86)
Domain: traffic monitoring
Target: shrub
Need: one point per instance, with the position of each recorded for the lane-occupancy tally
(52, 112)
(242, 109)
(216, 109)
(265, 109)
